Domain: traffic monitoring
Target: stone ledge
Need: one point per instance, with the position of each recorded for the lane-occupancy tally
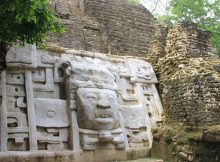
(74, 156)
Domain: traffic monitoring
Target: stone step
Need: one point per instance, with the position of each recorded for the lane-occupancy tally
(143, 160)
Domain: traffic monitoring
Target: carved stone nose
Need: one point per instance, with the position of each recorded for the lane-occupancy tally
(103, 102)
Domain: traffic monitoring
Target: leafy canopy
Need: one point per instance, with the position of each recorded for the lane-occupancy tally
(26, 21)
(206, 13)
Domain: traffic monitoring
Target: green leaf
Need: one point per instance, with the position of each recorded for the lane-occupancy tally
(205, 13)
(26, 21)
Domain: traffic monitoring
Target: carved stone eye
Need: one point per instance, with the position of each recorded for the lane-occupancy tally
(91, 97)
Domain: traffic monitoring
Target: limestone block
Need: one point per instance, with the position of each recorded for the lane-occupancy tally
(18, 56)
(51, 113)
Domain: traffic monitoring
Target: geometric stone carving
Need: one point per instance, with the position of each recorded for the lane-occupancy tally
(43, 80)
(51, 113)
(154, 106)
(39, 76)
(22, 56)
(52, 138)
(81, 101)
(138, 126)
(15, 90)
(20, 102)
(44, 59)
(17, 130)
(142, 71)
(15, 78)
(92, 140)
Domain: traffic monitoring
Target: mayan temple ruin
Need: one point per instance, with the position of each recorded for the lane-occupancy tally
(115, 86)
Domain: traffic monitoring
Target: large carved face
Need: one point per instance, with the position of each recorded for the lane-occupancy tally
(97, 109)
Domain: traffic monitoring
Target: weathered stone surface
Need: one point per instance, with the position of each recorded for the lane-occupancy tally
(108, 26)
(51, 113)
(79, 101)
(22, 56)
(70, 156)
(189, 81)
(97, 109)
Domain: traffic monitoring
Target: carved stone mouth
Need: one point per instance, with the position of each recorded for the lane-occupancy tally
(104, 114)
(104, 120)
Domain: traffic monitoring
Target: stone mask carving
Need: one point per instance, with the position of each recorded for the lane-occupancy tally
(97, 109)
(79, 101)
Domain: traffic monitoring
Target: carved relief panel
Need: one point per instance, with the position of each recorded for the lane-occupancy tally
(17, 121)
(79, 101)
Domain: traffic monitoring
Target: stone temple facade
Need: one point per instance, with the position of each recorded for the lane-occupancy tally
(78, 102)
(74, 101)
(92, 96)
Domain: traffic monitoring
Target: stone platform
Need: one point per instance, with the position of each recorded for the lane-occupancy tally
(74, 156)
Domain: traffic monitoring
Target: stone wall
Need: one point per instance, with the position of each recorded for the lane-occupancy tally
(194, 100)
(189, 77)
(108, 26)
(81, 32)
(174, 144)
(199, 44)
(157, 46)
(127, 28)
(190, 85)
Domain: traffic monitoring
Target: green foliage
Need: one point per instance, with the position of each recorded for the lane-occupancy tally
(206, 13)
(26, 21)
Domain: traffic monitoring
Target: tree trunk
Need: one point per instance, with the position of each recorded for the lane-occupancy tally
(3, 52)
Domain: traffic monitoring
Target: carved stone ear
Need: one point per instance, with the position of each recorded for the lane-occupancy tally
(67, 66)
